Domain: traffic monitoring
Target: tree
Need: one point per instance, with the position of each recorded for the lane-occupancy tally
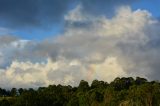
(122, 83)
(83, 86)
(13, 92)
(20, 90)
(98, 84)
(140, 81)
(73, 102)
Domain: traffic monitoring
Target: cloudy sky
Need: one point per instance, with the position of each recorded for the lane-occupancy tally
(46, 42)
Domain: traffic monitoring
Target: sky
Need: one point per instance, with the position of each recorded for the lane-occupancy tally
(45, 42)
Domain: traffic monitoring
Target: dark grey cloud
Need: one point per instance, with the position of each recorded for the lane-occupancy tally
(24, 13)
(32, 12)
(104, 6)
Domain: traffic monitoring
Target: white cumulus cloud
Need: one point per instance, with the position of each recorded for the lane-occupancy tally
(90, 48)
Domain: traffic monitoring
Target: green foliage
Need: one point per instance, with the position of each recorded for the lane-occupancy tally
(83, 86)
(13, 92)
(98, 84)
(120, 92)
(73, 102)
(4, 102)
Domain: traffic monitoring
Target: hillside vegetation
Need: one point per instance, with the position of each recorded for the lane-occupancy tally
(120, 92)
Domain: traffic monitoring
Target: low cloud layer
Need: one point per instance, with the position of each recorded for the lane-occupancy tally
(91, 47)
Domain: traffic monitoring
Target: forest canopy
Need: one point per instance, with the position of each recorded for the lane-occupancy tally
(120, 92)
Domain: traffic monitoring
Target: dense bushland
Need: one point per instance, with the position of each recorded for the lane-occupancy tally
(120, 92)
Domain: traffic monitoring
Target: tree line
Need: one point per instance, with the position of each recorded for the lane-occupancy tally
(120, 92)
